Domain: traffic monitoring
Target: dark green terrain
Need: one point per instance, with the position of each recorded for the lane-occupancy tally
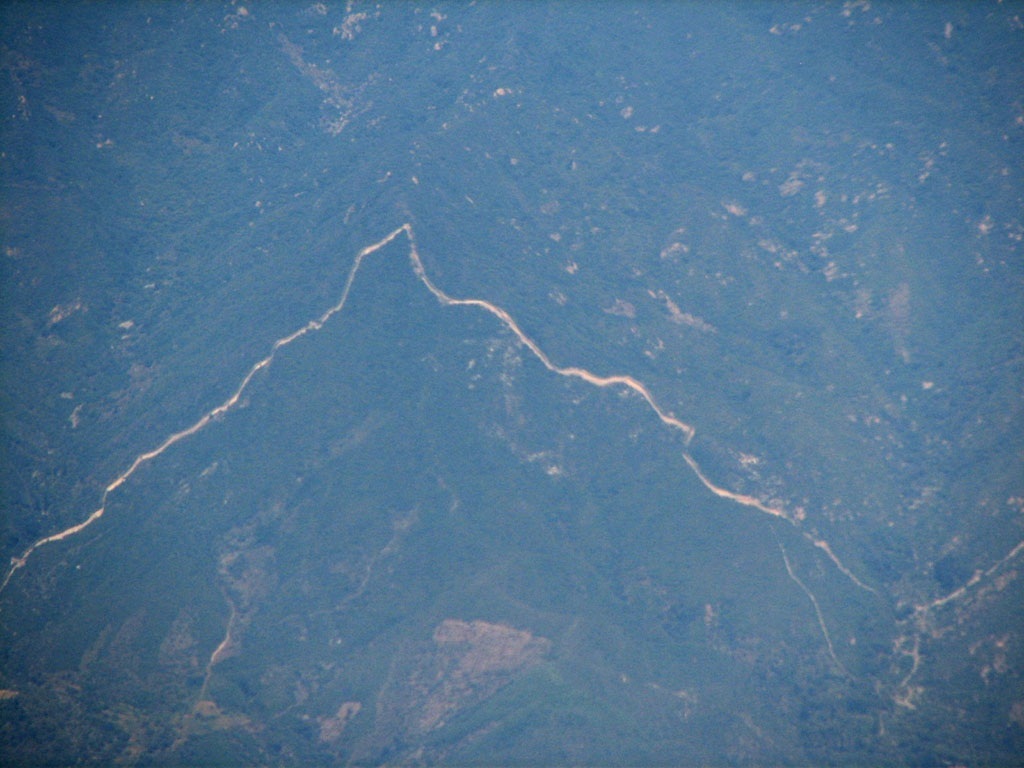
(407, 540)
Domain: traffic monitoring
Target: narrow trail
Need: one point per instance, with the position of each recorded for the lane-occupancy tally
(222, 650)
(620, 381)
(922, 621)
(814, 601)
(206, 418)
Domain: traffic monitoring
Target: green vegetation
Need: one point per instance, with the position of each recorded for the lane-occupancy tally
(410, 542)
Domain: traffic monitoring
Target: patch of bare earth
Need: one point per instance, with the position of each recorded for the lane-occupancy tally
(470, 661)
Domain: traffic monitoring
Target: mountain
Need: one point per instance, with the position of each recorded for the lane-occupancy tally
(620, 384)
